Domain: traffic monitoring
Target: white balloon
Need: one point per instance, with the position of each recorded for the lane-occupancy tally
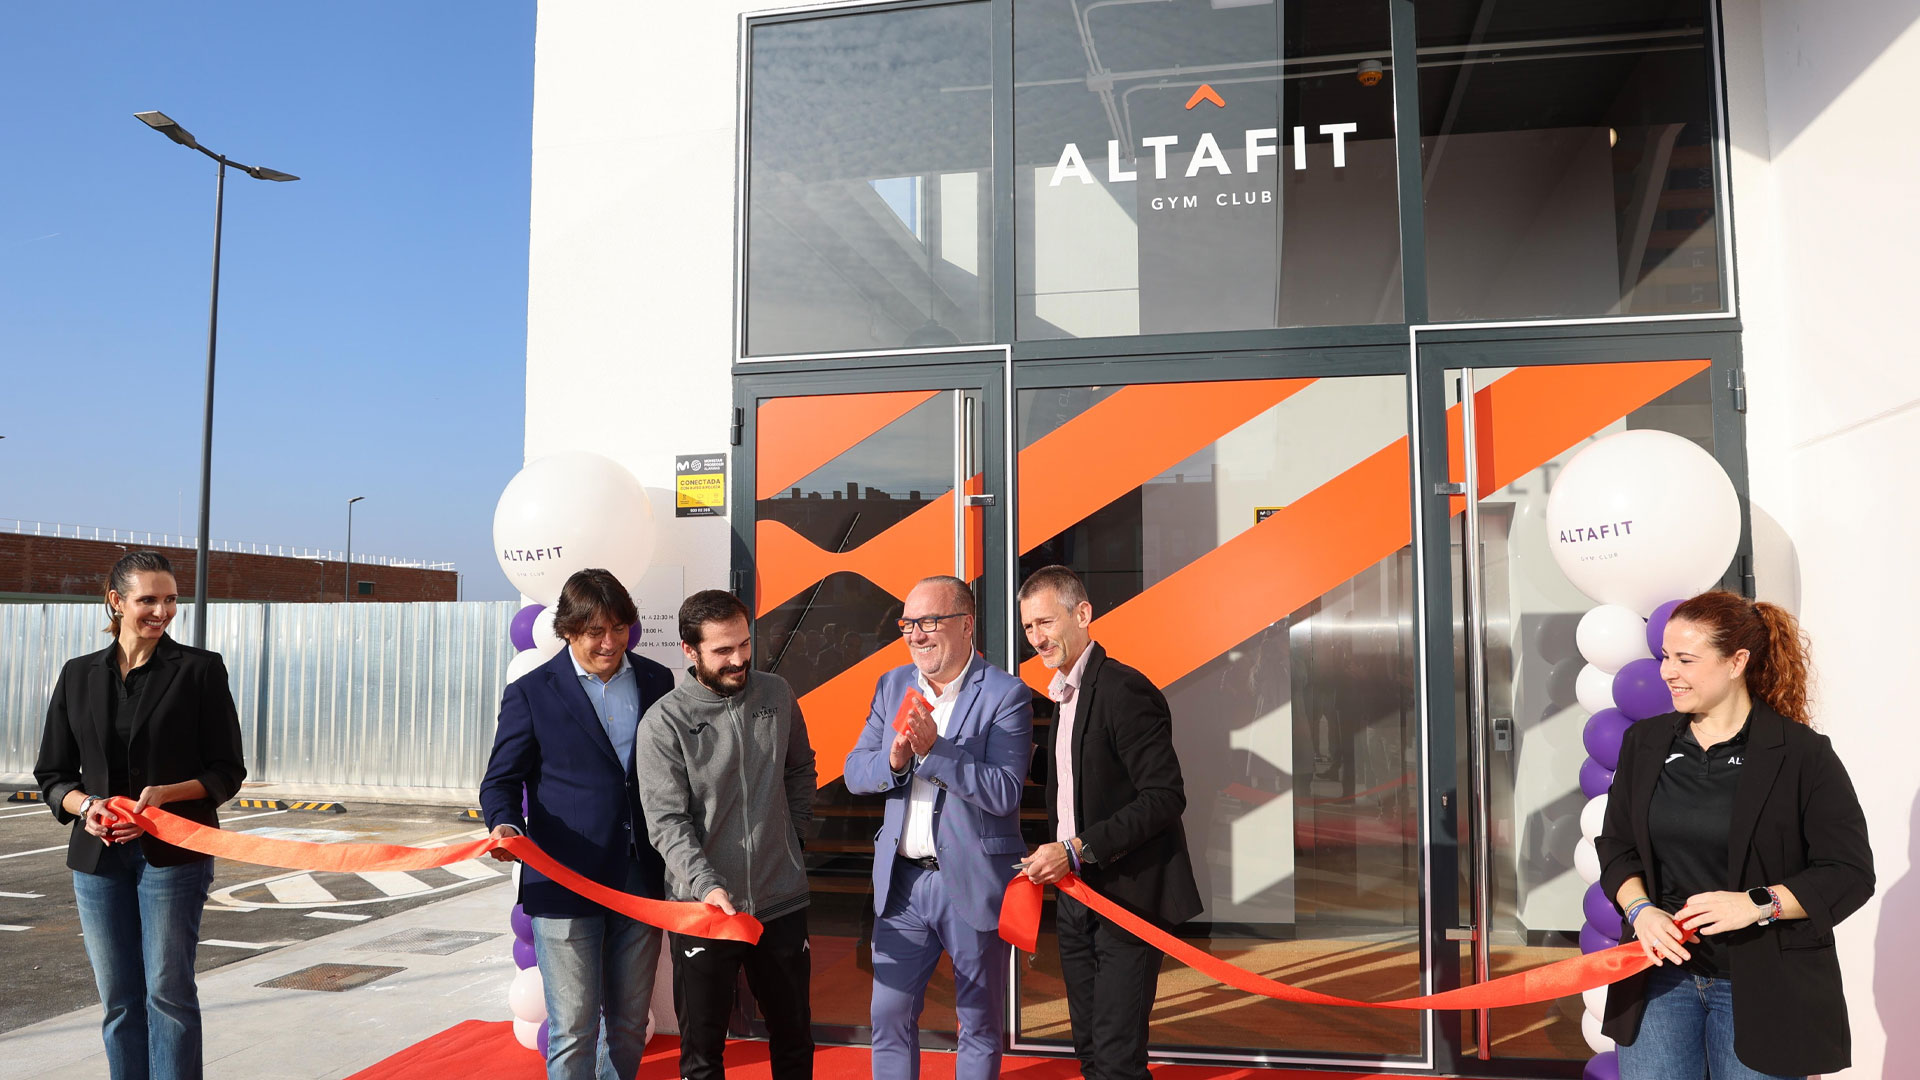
(1593, 816)
(548, 644)
(526, 1033)
(1610, 637)
(1590, 1029)
(567, 512)
(1596, 1000)
(1586, 860)
(523, 662)
(527, 996)
(1593, 688)
(1642, 517)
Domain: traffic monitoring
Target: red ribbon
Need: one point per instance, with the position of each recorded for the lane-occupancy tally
(680, 917)
(907, 703)
(1020, 925)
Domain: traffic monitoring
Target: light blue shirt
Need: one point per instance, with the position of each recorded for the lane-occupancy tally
(616, 702)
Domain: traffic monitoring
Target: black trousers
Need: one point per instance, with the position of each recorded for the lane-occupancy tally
(1111, 979)
(778, 972)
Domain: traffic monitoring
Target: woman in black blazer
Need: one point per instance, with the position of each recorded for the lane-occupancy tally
(151, 720)
(1733, 819)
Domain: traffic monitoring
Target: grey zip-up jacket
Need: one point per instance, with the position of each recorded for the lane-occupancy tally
(727, 784)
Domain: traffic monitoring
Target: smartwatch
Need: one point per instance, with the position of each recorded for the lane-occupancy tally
(1762, 897)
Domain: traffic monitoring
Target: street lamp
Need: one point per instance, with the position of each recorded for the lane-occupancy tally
(350, 503)
(165, 125)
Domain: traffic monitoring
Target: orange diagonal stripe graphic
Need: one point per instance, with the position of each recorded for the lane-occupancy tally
(1205, 93)
(799, 434)
(1128, 439)
(918, 546)
(836, 710)
(1356, 519)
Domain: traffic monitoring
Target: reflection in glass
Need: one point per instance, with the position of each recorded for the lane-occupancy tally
(1532, 661)
(1567, 157)
(869, 182)
(1193, 166)
(1296, 736)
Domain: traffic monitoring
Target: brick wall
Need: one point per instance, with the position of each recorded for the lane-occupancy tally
(60, 566)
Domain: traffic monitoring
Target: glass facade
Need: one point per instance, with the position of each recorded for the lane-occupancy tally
(1566, 158)
(1187, 166)
(870, 182)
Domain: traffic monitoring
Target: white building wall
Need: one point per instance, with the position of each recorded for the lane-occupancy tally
(630, 296)
(1827, 217)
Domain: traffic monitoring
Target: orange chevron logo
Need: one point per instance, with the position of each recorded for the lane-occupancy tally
(1206, 93)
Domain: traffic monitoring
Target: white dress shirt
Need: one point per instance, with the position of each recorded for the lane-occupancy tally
(916, 833)
(1065, 690)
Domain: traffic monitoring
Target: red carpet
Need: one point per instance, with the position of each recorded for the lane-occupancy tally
(480, 1050)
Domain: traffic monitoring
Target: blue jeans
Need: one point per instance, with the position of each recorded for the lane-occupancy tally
(142, 929)
(1686, 1032)
(598, 972)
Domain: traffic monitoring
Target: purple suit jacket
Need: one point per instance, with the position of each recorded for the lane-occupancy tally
(980, 767)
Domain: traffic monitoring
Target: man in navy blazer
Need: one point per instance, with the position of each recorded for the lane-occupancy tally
(952, 774)
(566, 737)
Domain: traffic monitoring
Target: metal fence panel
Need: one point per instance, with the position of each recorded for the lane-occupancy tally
(393, 695)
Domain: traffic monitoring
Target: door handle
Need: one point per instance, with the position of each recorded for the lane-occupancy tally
(978, 500)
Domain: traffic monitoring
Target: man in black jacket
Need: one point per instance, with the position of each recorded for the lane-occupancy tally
(1114, 800)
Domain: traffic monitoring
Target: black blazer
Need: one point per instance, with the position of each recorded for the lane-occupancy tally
(1127, 793)
(1796, 822)
(184, 728)
(583, 804)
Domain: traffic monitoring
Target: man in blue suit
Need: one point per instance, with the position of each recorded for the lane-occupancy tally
(952, 774)
(566, 736)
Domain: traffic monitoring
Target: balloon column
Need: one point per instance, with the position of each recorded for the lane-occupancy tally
(1635, 520)
(561, 514)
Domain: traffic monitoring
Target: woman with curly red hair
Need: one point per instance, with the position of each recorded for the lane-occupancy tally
(1731, 819)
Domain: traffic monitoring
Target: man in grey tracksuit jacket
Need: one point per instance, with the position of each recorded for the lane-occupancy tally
(728, 778)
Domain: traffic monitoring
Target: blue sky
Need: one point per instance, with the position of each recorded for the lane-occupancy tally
(372, 315)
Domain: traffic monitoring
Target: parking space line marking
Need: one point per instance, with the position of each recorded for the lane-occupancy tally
(472, 870)
(225, 944)
(22, 895)
(302, 889)
(24, 813)
(343, 916)
(395, 882)
(35, 851)
(14, 929)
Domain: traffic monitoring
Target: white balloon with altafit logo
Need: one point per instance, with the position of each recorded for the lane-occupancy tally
(566, 512)
(1643, 517)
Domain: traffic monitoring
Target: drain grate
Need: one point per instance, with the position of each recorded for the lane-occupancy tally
(331, 977)
(426, 942)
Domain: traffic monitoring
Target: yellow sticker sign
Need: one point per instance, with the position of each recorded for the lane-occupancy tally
(699, 485)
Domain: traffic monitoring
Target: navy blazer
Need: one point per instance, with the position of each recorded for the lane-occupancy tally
(979, 768)
(583, 805)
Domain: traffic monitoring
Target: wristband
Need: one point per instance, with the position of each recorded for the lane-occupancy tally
(1775, 897)
(1073, 858)
(1636, 908)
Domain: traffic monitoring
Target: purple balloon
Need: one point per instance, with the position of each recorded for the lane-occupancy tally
(633, 637)
(1639, 692)
(1595, 779)
(1592, 941)
(1602, 737)
(1657, 626)
(523, 956)
(1602, 1067)
(1599, 910)
(540, 1040)
(521, 922)
(520, 631)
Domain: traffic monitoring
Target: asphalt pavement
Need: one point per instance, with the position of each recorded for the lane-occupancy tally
(253, 911)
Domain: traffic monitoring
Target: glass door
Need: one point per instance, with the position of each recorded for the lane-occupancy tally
(1517, 723)
(1247, 544)
(862, 484)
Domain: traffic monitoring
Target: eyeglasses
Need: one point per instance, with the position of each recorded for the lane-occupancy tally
(927, 623)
